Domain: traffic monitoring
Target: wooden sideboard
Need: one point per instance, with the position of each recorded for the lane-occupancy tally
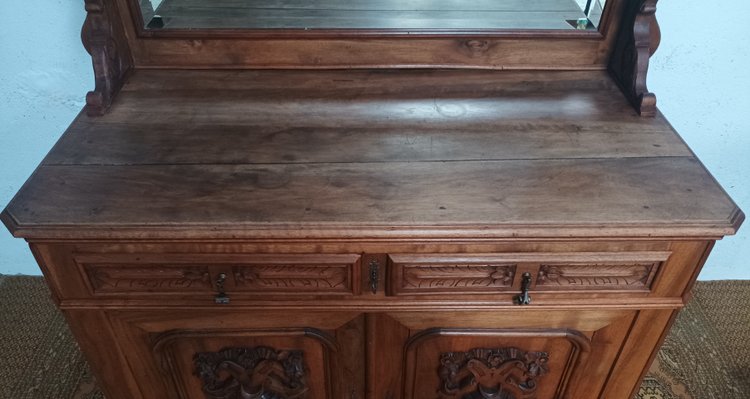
(459, 221)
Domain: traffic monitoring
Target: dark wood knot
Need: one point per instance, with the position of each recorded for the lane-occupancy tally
(477, 45)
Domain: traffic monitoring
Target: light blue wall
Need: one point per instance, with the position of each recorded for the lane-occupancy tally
(44, 76)
(701, 75)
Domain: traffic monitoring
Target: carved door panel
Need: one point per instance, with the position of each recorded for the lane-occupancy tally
(490, 363)
(248, 364)
(245, 355)
(529, 354)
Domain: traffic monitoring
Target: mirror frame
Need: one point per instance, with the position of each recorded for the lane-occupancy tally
(368, 48)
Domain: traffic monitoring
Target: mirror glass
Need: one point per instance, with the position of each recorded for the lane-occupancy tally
(372, 14)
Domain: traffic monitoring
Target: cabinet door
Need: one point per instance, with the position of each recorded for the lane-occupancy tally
(491, 363)
(512, 354)
(250, 354)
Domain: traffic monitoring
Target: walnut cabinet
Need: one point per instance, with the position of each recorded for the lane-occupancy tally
(224, 319)
(282, 200)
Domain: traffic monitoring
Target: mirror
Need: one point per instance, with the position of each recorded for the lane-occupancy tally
(313, 15)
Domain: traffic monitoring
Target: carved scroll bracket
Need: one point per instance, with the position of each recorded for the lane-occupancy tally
(638, 39)
(103, 37)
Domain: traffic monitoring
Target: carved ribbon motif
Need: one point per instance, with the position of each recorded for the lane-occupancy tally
(500, 373)
(251, 373)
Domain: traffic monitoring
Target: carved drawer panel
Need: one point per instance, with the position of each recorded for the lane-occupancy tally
(109, 278)
(117, 275)
(628, 271)
(426, 274)
(432, 274)
(330, 274)
(154, 274)
(630, 276)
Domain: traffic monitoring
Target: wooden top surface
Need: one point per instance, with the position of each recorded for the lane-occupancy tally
(368, 14)
(370, 154)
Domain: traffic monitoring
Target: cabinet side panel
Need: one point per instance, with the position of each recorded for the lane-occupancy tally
(645, 338)
(59, 272)
(588, 382)
(102, 350)
(681, 270)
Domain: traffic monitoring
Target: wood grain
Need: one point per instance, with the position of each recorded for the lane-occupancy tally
(378, 116)
(470, 46)
(665, 192)
(648, 331)
(374, 152)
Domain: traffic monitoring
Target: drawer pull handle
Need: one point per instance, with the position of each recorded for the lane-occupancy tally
(221, 298)
(374, 271)
(524, 298)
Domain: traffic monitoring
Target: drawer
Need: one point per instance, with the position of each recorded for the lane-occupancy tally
(427, 274)
(420, 274)
(607, 275)
(170, 274)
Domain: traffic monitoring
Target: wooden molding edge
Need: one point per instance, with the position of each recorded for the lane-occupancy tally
(712, 230)
(737, 218)
(104, 38)
(10, 222)
(638, 39)
(366, 305)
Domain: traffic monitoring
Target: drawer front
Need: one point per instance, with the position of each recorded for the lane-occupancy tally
(167, 274)
(113, 278)
(426, 274)
(298, 274)
(629, 276)
(411, 274)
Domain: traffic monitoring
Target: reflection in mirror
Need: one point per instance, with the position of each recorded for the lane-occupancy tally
(372, 14)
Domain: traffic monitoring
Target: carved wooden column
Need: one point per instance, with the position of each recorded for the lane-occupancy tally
(638, 39)
(104, 38)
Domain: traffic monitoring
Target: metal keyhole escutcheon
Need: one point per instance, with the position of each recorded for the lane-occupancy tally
(221, 298)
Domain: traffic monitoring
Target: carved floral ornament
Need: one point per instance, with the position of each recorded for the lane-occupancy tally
(114, 279)
(500, 373)
(452, 276)
(628, 276)
(252, 373)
